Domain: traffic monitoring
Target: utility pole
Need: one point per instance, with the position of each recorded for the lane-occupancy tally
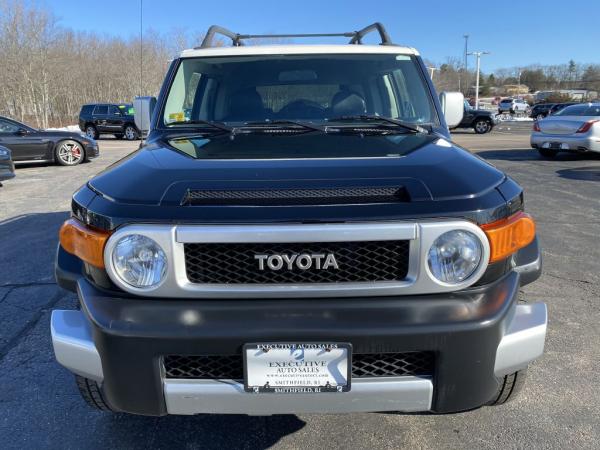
(431, 70)
(478, 56)
(519, 84)
(466, 65)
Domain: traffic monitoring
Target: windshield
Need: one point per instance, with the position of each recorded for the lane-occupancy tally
(580, 110)
(315, 88)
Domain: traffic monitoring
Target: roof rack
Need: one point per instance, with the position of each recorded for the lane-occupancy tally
(238, 39)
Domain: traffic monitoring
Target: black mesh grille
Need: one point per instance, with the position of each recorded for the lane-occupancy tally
(366, 365)
(281, 197)
(357, 262)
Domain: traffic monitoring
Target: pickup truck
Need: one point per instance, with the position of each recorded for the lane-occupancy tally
(299, 234)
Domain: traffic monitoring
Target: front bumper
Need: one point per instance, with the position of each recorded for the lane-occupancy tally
(476, 336)
(92, 150)
(7, 169)
(581, 143)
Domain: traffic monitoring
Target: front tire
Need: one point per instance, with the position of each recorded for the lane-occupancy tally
(482, 126)
(131, 133)
(91, 392)
(91, 132)
(547, 153)
(510, 386)
(69, 153)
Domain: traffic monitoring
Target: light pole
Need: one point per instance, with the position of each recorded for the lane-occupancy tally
(466, 65)
(431, 70)
(519, 85)
(478, 56)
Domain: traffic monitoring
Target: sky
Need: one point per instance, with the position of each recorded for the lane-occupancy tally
(517, 33)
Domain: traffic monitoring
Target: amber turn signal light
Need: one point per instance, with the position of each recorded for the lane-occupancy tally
(83, 242)
(509, 235)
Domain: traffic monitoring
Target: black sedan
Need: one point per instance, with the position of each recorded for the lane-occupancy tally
(7, 167)
(30, 145)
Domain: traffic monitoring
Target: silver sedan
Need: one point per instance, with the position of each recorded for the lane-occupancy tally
(575, 128)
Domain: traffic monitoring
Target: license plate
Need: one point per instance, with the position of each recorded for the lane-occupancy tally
(297, 368)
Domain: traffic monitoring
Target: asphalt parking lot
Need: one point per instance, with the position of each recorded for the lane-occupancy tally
(559, 408)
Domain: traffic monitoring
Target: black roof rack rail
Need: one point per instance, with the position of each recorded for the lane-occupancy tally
(238, 39)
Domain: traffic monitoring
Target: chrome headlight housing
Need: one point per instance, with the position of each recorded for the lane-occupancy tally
(455, 256)
(139, 261)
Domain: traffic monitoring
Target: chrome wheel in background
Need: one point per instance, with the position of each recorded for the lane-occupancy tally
(69, 153)
(91, 132)
(130, 133)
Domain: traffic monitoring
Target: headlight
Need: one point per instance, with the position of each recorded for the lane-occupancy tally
(139, 261)
(4, 152)
(455, 256)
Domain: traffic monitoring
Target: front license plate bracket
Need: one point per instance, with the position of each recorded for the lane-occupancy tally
(297, 368)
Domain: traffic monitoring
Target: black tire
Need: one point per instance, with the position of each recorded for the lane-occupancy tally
(91, 132)
(91, 392)
(131, 133)
(512, 111)
(482, 126)
(510, 386)
(69, 153)
(548, 153)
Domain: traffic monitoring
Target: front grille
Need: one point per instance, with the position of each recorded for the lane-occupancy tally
(357, 262)
(364, 365)
(283, 197)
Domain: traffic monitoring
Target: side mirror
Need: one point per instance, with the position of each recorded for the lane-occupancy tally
(453, 107)
(143, 108)
(22, 131)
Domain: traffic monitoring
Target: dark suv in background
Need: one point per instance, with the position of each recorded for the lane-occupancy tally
(108, 118)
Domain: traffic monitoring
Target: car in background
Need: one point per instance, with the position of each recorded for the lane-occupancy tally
(575, 128)
(7, 167)
(28, 144)
(541, 110)
(96, 119)
(560, 106)
(480, 120)
(513, 105)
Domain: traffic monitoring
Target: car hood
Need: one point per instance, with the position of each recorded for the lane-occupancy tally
(61, 134)
(429, 168)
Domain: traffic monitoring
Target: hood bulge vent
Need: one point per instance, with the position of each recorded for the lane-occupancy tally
(285, 197)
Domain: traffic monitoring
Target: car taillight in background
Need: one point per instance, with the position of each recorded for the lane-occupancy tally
(586, 126)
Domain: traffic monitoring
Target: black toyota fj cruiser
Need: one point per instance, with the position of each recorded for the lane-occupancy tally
(299, 234)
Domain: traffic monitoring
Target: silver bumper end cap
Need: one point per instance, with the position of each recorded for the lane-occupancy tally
(523, 340)
(407, 394)
(73, 344)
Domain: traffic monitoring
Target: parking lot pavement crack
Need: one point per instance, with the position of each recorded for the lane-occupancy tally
(13, 286)
(574, 280)
(16, 338)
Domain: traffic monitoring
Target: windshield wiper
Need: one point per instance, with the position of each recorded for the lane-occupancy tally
(216, 125)
(374, 118)
(284, 122)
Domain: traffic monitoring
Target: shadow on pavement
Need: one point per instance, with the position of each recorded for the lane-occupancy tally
(28, 247)
(591, 173)
(529, 154)
(201, 431)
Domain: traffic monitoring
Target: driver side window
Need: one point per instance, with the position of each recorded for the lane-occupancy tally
(7, 127)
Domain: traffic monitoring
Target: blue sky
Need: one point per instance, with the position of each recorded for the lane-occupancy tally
(517, 33)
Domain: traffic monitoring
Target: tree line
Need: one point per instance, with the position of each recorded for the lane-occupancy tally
(48, 71)
(451, 76)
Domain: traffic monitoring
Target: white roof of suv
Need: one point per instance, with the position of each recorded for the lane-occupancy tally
(297, 50)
